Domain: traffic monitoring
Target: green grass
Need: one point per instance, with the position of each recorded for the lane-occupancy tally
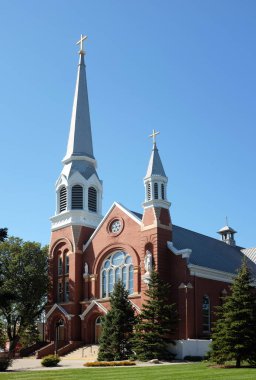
(195, 371)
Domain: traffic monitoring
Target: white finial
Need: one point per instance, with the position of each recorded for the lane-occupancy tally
(80, 42)
(154, 134)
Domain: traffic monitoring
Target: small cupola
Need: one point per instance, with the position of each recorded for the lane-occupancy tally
(227, 234)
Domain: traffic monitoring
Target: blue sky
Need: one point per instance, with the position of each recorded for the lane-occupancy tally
(183, 67)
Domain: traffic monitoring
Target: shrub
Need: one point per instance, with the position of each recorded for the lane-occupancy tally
(50, 361)
(5, 363)
(110, 364)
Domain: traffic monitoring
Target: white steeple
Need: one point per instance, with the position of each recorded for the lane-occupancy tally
(155, 180)
(227, 234)
(79, 189)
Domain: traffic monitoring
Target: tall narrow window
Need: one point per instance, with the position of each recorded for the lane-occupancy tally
(77, 197)
(59, 265)
(63, 199)
(156, 190)
(67, 264)
(66, 290)
(92, 199)
(162, 191)
(148, 191)
(206, 314)
(60, 292)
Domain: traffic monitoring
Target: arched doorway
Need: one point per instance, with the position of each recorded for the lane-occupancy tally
(59, 334)
(98, 329)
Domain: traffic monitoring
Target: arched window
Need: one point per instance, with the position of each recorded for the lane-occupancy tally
(148, 191)
(77, 198)
(156, 190)
(92, 199)
(67, 264)
(162, 191)
(117, 266)
(60, 270)
(63, 199)
(60, 292)
(206, 314)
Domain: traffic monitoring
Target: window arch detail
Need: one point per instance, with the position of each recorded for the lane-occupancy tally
(92, 199)
(77, 198)
(63, 199)
(206, 311)
(117, 266)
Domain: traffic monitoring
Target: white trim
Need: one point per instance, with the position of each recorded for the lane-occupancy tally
(136, 307)
(185, 253)
(61, 309)
(68, 159)
(90, 307)
(211, 274)
(121, 207)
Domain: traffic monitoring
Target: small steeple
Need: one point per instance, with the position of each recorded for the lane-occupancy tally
(80, 135)
(155, 180)
(227, 234)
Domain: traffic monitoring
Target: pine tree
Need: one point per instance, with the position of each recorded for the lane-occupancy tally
(234, 333)
(156, 322)
(117, 327)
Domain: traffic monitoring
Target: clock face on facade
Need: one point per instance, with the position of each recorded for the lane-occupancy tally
(115, 226)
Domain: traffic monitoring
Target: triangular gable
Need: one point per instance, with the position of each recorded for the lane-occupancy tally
(121, 207)
(63, 311)
(89, 308)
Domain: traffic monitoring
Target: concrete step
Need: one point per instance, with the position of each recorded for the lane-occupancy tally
(88, 352)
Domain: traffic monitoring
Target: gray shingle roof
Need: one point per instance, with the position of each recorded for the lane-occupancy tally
(211, 253)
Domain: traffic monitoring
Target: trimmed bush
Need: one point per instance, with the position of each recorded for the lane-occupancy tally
(5, 363)
(110, 364)
(190, 358)
(50, 361)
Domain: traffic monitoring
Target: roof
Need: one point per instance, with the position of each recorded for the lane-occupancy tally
(226, 229)
(211, 253)
(155, 166)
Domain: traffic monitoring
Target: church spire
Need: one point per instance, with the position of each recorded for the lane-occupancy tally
(155, 180)
(80, 135)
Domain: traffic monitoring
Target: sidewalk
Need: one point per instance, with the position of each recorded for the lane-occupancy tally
(31, 364)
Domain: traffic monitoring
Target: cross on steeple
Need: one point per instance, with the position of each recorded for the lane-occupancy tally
(154, 134)
(80, 42)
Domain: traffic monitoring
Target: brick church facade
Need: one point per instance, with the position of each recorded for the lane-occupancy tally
(89, 252)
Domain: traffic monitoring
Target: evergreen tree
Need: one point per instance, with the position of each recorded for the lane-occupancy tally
(156, 321)
(234, 333)
(3, 234)
(117, 327)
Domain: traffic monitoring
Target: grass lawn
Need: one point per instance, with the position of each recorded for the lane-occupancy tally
(194, 371)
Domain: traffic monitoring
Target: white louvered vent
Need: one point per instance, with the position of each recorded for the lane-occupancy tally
(156, 190)
(162, 191)
(77, 197)
(92, 199)
(149, 192)
(63, 199)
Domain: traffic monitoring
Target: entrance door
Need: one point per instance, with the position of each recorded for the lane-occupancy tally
(98, 328)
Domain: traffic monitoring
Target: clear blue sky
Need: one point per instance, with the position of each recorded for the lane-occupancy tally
(183, 67)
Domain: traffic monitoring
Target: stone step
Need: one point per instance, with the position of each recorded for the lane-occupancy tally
(89, 353)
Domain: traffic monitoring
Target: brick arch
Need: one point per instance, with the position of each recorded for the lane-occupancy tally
(51, 323)
(62, 245)
(88, 325)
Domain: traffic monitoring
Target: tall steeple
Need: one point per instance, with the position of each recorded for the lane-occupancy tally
(79, 189)
(80, 135)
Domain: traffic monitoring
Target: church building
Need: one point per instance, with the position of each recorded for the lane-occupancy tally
(89, 251)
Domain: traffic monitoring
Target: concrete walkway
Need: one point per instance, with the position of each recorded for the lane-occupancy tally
(31, 364)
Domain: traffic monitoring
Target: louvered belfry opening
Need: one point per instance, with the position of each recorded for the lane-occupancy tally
(77, 198)
(149, 191)
(92, 199)
(162, 191)
(63, 199)
(156, 190)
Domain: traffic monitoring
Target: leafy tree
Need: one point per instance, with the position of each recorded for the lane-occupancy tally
(234, 333)
(117, 327)
(23, 285)
(156, 321)
(3, 234)
(2, 335)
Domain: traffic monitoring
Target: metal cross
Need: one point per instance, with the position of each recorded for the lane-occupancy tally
(80, 42)
(154, 134)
